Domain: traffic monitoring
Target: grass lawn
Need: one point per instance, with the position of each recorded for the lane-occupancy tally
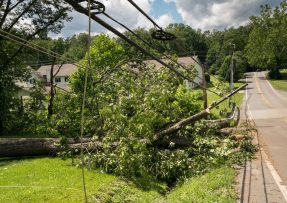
(211, 97)
(280, 84)
(55, 180)
(216, 186)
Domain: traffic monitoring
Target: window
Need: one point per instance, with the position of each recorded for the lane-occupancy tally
(57, 79)
(45, 78)
(66, 79)
(32, 81)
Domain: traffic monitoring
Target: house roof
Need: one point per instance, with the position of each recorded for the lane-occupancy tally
(182, 60)
(65, 70)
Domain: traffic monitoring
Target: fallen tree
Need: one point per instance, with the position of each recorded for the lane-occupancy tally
(13, 147)
(203, 114)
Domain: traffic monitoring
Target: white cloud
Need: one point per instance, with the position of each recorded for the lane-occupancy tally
(122, 11)
(168, 1)
(219, 14)
(164, 20)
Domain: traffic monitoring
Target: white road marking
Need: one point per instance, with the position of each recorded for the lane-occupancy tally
(276, 176)
(272, 170)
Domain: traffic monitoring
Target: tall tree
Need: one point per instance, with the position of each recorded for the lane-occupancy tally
(219, 44)
(266, 46)
(77, 46)
(188, 41)
(28, 19)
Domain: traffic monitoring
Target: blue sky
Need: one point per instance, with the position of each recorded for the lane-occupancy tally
(160, 7)
(199, 14)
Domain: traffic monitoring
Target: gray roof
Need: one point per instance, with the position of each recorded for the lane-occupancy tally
(182, 60)
(65, 70)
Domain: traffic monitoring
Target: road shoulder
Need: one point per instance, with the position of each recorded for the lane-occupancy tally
(256, 181)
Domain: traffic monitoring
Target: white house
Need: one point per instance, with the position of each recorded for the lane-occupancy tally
(25, 87)
(190, 62)
(61, 73)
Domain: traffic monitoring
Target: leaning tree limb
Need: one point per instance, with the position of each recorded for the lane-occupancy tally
(179, 125)
(183, 123)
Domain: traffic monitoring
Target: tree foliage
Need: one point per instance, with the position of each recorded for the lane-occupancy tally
(27, 19)
(220, 44)
(77, 46)
(188, 41)
(127, 103)
(266, 46)
(239, 67)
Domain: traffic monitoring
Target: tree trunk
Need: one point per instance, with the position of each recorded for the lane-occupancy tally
(1, 126)
(13, 147)
(52, 92)
(181, 124)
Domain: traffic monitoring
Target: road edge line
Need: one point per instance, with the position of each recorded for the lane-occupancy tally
(274, 173)
(275, 176)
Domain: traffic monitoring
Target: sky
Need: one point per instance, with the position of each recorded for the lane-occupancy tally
(199, 14)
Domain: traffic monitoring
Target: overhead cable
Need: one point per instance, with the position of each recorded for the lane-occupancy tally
(159, 33)
(147, 43)
(144, 13)
(26, 43)
(83, 10)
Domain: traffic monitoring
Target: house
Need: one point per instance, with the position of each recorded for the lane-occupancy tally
(61, 74)
(190, 62)
(25, 87)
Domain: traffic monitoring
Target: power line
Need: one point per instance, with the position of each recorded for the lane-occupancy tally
(83, 10)
(26, 43)
(159, 33)
(147, 43)
(35, 47)
(146, 15)
(84, 99)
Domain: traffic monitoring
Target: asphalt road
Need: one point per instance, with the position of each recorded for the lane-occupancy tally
(268, 108)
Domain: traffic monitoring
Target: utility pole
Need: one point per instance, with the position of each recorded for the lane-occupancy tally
(231, 85)
(232, 68)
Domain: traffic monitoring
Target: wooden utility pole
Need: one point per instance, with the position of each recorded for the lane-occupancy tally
(231, 84)
(232, 68)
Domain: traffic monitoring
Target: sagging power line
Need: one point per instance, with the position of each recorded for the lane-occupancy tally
(159, 33)
(78, 7)
(147, 43)
(35, 47)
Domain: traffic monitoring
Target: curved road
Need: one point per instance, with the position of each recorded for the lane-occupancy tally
(268, 109)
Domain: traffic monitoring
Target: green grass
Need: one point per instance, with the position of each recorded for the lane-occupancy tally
(216, 186)
(280, 84)
(212, 97)
(55, 180)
